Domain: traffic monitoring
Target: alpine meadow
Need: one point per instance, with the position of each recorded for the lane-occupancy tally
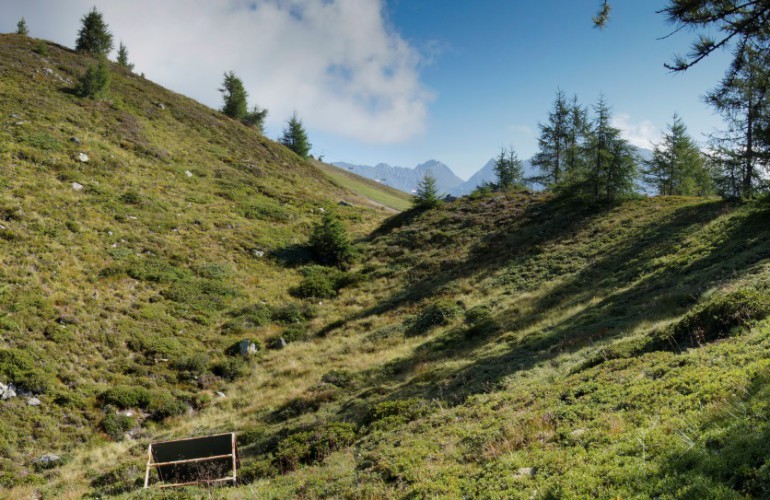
(591, 321)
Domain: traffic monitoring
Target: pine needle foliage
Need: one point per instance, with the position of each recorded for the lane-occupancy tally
(94, 36)
(295, 138)
(95, 82)
(330, 242)
(123, 57)
(21, 27)
(427, 195)
(235, 97)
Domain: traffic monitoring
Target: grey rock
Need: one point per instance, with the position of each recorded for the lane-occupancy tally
(344, 203)
(161, 106)
(82, 158)
(321, 210)
(247, 348)
(188, 173)
(279, 343)
(47, 460)
(259, 253)
(34, 402)
(75, 140)
(77, 186)
(221, 394)
(9, 392)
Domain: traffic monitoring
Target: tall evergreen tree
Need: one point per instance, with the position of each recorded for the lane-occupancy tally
(612, 167)
(21, 27)
(508, 169)
(552, 143)
(427, 195)
(677, 166)
(235, 97)
(94, 36)
(295, 138)
(123, 57)
(576, 136)
(330, 242)
(743, 99)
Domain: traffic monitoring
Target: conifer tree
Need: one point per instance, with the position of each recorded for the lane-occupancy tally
(295, 138)
(21, 27)
(330, 242)
(508, 169)
(427, 195)
(576, 136)
(95, 82)
(677, 166)
(552, 143)
(235, 97)
(612, 163)
(123, 57)
(256, 118)
(94, 36)
(743, 100)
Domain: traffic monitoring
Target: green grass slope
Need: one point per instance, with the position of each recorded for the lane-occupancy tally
(515, 345)
(374, 191)
(124, 270)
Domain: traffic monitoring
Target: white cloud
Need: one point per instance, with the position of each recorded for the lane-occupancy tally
(640, 134)
(338, 63)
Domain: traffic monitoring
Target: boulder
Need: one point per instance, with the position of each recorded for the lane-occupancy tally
(75, 140)
(34, 402)
(247, 348)
(9, 391)
(524, 472)
(278, 343)
(48, 460)
(82, 158)
(188, 173)
(259, 253)
(344, 203)
(77, 186)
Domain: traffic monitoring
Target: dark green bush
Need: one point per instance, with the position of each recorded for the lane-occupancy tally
(248, 318)
(312, 447)
(230, 368)
(293, 313)
(720, 317)
(318, 282)
(116, 426)
(439, 314)
(163, 405)
(95, 82)
(295, 333)
(340, 378)
(391, 414)
(124, 397)
(192, 365)
(18, 367)
(477, 315)
(330, 242)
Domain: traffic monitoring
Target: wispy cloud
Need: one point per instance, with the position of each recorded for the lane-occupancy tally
(641, 134)
(338, 63)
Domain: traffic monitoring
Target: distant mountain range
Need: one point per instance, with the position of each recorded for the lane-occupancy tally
(407, 179)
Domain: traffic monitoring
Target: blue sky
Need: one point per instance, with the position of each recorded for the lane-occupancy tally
(405, 81)
(499, 64)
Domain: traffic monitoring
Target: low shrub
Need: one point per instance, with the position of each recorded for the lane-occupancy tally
(116, 425)
(230, 368)
(438, 314)
(391, 414)
(17, 367)
(478, 314)
(293, 313)
(124, 397)
(340, 378)
(312, 447)
(163, 405)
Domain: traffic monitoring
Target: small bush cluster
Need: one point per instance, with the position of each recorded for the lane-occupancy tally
(17, 367)
(312, 447)
(391, 414)
(438, 314)
(116, 425)
(160, 404)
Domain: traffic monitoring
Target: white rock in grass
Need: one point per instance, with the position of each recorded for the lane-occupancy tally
(83, 158)
(77, 186)
(34, 402)
(188, 173)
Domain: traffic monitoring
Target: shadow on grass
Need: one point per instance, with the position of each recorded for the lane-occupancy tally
(643, 278)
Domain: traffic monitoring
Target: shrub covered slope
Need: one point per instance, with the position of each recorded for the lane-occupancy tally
(514, 345)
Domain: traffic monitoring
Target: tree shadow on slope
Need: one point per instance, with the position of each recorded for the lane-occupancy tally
(665, 292)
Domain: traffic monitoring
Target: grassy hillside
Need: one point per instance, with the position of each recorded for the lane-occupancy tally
(516, 345)
(373, 190)
(126, 270)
